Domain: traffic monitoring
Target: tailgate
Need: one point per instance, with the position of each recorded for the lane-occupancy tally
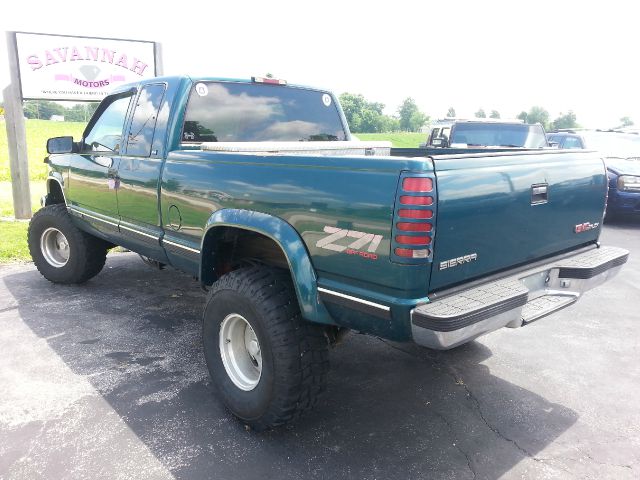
(499, 211)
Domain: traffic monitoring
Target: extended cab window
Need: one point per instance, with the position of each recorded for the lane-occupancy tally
(143, 125)
(251, 112)
(105, 133)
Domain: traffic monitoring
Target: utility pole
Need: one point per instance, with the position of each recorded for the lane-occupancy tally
(16, 135)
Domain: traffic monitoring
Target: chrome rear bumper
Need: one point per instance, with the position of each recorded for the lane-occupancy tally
(514, 300)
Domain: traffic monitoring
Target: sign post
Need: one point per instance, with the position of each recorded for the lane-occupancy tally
(64, 67)
(16, 136)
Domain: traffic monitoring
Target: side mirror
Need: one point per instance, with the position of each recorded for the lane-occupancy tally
(60, 145)
(440, 142)
(553, 144)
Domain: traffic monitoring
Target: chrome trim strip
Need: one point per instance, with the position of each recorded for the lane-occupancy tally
(82, 213)
(180, 246)
(139, 232)
(354, 299)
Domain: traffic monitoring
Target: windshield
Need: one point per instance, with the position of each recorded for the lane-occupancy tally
(252, 112)
(613, 144)
(499, 134)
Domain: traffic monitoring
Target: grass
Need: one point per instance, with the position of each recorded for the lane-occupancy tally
(38, 132)
(37, 189)
(13, 242)
(13, 234)
(398, 139)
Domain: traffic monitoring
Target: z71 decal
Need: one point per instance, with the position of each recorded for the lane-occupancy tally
(353, 248)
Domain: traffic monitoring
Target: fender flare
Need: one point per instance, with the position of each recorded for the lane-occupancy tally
(57, 177)
(287, 238)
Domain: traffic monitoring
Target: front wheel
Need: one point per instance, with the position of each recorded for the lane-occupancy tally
(62, 252)
(268, 364)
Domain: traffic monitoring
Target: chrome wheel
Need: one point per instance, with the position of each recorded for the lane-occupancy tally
(54, 247)
(240, 352)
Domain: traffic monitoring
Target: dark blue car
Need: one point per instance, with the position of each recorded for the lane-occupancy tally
(621, 153)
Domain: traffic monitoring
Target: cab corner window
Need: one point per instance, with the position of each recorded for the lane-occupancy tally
(105, 134)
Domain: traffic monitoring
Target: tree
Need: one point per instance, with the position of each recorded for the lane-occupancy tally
(538, 115)
(565, 121)
(80, 112)
(42, 109)
(364, 116)
(523, 116)
(626, 122)
(480, 113)
(411, 118)
(494, 114)
(451, 112)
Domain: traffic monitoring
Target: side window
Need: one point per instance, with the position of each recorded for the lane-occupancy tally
(572, 142)
(444, 133)
(434, 134)
(145, 115)
(106, 132)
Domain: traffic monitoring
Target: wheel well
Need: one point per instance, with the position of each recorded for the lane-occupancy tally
(55, 194)
(228, 248)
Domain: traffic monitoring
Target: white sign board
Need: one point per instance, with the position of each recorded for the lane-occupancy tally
(57, 67)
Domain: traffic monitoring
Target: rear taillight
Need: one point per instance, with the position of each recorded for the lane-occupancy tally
(407, 200)
(414, 227)
(409, 213)
(417, 184)
(414, 217)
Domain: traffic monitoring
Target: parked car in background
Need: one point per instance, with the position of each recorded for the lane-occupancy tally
(621, 153)
(459, 133)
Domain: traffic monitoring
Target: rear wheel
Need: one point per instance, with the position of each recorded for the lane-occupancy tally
(268, 364)
(62, 252)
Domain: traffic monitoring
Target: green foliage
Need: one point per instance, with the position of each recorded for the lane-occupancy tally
(365, 116)
(480, 113)
(567, 120)
(523, 116)
(38, 131)
(411, 118)
(80, 112)
(42, 109)
(538, 115)
(494, 114)
(397, 139)
(451, 112)
(626, 122)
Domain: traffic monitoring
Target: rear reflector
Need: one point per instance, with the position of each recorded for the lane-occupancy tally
(414, 227)
(417, 184)
(409, 240)
(407, 213)
(407, 200)
(410, 253)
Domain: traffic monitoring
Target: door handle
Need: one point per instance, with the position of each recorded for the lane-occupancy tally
(539, 193)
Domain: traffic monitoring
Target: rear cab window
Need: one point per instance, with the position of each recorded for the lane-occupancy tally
(253, 112)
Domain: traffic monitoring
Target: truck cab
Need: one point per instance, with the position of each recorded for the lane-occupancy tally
(461, 133)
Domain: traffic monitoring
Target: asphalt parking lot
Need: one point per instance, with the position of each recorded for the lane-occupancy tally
(107, 380)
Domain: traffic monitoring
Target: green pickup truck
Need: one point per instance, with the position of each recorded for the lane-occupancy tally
(300, 234)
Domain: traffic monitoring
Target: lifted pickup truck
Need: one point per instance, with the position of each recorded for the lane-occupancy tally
(300, 234)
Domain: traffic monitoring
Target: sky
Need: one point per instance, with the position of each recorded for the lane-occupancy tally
(502, 55)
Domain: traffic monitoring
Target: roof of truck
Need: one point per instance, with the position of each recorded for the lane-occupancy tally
(196, 79)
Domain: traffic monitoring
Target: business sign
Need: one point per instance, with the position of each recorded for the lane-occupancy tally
(57, 67)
